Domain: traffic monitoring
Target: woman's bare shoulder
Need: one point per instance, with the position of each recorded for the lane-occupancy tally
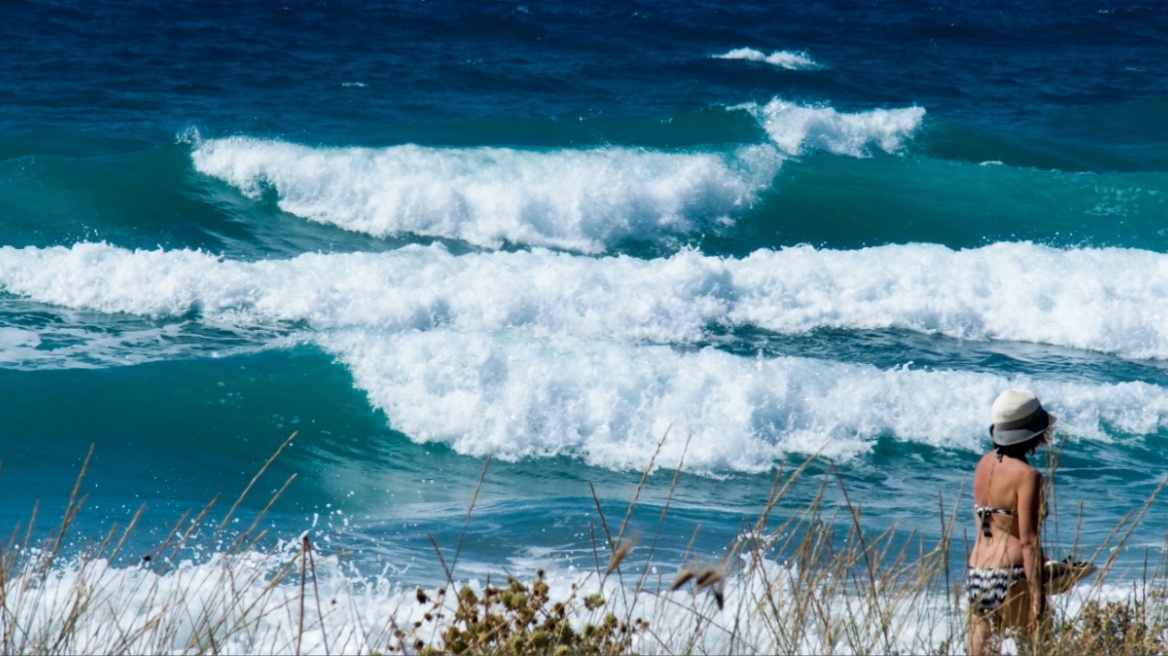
(1011, 468)
(1022, 474)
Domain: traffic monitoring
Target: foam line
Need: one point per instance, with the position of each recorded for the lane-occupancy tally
(1091, 299)
(610, 404)
(581, 200)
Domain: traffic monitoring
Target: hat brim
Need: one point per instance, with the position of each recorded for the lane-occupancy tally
(1035, 425)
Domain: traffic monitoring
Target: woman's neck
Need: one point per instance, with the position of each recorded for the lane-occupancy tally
(1002, 454)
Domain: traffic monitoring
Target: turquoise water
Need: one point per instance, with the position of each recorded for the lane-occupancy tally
(561, 238)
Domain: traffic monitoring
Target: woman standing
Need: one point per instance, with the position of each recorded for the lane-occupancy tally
(1004, 586)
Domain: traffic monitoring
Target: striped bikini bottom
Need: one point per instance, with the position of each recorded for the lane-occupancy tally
(986, 587)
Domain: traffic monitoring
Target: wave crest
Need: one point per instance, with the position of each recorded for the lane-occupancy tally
(792, 61)
(579, 200)
(1091, 299)
(796, 129)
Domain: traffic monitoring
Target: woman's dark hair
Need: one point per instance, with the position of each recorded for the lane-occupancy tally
(1022, 449)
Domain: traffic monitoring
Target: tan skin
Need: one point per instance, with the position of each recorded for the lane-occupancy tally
(1012, 484)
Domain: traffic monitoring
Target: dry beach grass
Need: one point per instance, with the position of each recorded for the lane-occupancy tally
(812, 581)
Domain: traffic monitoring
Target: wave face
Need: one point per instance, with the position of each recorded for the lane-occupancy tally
(569, 243)
(576, 200)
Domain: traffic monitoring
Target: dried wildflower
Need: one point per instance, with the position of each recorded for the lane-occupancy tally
(593, 601)
(467, 595)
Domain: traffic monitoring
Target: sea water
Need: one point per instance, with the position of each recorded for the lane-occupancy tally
(515, 255)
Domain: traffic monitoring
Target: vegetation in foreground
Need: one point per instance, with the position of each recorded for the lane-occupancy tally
(811, 582)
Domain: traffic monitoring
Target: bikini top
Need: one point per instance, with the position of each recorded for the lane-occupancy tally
(983, 513)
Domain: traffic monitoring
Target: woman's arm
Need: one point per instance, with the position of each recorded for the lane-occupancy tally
(1029, 508)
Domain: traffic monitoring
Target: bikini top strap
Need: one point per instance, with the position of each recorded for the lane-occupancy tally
(984, 512)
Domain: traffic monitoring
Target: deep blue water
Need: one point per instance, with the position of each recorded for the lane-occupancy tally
(422, 234)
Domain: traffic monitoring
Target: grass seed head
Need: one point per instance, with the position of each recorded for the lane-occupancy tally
(710, 576)
(684, 576)
(619, 552)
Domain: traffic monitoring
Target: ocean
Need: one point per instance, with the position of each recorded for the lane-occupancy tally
(515, 255)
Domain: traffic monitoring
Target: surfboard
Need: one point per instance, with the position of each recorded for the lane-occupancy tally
(1062, 575)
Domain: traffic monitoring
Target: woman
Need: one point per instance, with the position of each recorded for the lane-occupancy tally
(1004, 585)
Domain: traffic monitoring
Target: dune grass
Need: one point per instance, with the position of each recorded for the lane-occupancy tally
(812, 581)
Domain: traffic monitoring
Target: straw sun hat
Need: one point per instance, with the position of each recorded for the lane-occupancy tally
(1017, 416)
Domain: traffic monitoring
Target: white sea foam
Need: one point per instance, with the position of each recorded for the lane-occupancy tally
(64, 345)
(15, 338)
(582, 200)
(1092, 299)
(579, 200)
(540, 353)
(230, 602)
(611, 404)
(794, 61)
(233, 603)
(799, 128)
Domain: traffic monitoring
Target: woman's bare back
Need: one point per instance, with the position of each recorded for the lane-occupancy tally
(998, 485)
